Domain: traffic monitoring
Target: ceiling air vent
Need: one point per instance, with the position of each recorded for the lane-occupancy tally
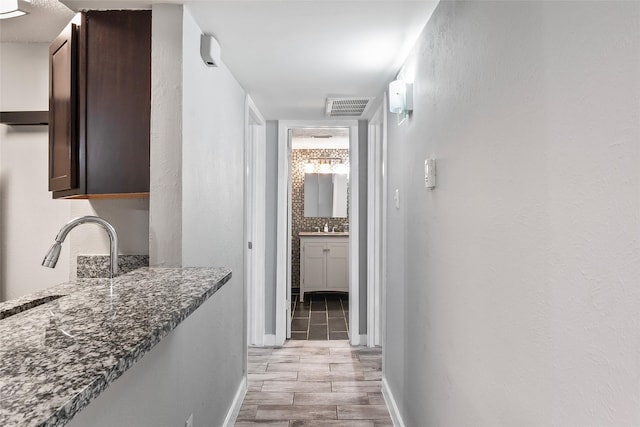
(347, 107)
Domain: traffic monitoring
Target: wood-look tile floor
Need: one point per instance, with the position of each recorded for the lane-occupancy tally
(314, 384)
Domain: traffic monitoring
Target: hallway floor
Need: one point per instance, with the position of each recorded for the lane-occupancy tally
(314, 384)
(322, 316)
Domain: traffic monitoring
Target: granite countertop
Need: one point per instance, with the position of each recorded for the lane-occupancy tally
(56, 357)
(323, 233)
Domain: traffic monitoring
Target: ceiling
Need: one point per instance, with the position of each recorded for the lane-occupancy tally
(45, 20)
(289, 55)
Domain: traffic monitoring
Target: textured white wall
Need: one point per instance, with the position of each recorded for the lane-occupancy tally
(512, 296)
(213, 196)
(197, 202)
(213, 161)
(165, 203)
(28, 215)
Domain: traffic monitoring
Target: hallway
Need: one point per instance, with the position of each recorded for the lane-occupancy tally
(313, 384)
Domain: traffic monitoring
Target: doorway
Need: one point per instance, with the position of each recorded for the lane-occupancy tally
(319, 171)
(288, 233)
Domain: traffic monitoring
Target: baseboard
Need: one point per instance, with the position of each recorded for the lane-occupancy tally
(391, 404)
(234, 410)
(359, 340)
(269, 340)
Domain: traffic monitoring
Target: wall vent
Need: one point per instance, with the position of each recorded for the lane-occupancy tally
(347, 107)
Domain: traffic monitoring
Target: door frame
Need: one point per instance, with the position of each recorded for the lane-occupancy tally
(283, 229)
(254, 222)
(376, 224)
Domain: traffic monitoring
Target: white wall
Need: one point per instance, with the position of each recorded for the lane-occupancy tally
(213, 195)
(27, 212)
(165, 204)
(512, 296)
(29, 217)
(197, 193)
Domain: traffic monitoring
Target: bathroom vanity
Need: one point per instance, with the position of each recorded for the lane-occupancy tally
(324, 262)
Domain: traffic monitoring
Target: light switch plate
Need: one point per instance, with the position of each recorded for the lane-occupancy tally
(430, 173)
(396, 197)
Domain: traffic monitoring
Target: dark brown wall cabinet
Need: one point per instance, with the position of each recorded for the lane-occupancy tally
(100, 106)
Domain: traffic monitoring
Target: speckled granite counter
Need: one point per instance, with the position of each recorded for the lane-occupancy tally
(56, 357)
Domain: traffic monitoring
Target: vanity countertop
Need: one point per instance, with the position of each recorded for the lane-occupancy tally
(56, 357)
(323, 233)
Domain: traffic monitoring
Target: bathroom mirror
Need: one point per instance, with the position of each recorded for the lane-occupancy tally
(325, 195)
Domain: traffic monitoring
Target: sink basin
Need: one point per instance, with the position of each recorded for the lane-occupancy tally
(27, 306)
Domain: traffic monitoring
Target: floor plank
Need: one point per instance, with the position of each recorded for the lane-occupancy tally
(320, 383)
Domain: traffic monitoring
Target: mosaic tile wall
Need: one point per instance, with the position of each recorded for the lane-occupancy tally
(298, 221)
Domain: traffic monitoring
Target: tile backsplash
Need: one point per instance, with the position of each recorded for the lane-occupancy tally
(97, 266)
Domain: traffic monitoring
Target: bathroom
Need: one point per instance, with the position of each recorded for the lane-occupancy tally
(320, 221)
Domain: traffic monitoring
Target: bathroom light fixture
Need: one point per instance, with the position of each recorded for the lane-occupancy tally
(326, 165)
(400, 97)
(9, 9)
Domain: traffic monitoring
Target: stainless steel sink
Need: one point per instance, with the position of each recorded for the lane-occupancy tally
(27, 306)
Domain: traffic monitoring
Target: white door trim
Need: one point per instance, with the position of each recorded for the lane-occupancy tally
(255, 227)
(383, 239)
(374, 226)
(283, 275)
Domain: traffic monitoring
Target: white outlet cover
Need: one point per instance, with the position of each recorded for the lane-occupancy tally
(396, 197)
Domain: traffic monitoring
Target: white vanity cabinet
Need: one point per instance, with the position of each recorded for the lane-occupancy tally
(324, 262)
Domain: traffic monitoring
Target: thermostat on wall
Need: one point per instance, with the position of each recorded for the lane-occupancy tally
(430, 173)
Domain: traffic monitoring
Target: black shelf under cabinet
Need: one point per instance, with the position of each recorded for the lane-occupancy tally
(24, 118)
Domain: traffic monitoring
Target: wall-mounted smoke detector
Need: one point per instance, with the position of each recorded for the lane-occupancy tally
(347, 107)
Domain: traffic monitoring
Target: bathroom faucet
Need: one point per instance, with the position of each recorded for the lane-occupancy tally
(333, 229)
(51, 258)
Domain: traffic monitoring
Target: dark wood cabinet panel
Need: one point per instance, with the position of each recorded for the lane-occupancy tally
(62, 109)
(114, 105)
(24, 118)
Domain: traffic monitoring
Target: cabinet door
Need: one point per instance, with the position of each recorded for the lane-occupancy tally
(314, 266)
(63, 145)
(338, 266)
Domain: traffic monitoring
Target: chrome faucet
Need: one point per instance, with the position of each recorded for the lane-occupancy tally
(51, 258)
(317, 229)
(333, 229)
